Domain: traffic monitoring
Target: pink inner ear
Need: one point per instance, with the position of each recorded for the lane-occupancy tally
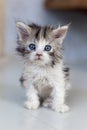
(57, 35)
(60, 32)
(24, 33)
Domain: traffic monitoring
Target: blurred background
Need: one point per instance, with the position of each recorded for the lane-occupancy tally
(43, 12)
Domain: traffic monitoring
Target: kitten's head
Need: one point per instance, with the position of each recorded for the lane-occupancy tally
(40, 45)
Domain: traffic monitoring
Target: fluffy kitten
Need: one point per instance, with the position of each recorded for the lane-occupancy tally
(44, 77)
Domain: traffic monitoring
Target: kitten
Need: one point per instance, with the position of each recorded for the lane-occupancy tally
(44, 77)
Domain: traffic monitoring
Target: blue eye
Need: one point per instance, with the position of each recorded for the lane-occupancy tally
(47, 48)
(32, 46)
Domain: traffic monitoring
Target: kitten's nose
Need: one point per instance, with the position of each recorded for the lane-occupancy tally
(38, 54)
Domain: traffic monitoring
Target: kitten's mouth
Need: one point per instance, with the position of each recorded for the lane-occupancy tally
(38, 59)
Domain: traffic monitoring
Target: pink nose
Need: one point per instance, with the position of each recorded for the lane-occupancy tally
(39, 55)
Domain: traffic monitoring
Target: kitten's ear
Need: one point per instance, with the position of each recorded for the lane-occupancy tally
(24, 30)
(60, 32)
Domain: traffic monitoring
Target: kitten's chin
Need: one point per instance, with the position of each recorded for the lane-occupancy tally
(39, 62)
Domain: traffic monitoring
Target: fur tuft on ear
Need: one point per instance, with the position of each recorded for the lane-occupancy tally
(23, 30)
(60, 32)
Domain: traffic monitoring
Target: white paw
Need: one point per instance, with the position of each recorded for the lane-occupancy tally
(47, 103)
(31, 104)
(61, 108)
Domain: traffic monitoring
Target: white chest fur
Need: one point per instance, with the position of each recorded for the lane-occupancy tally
(44, 78)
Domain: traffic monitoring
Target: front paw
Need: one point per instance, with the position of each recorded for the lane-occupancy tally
(61, 108)
(32, 104)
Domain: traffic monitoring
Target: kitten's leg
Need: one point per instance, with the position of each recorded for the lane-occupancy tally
(58, 103)
(32, 101)
(32, 98)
